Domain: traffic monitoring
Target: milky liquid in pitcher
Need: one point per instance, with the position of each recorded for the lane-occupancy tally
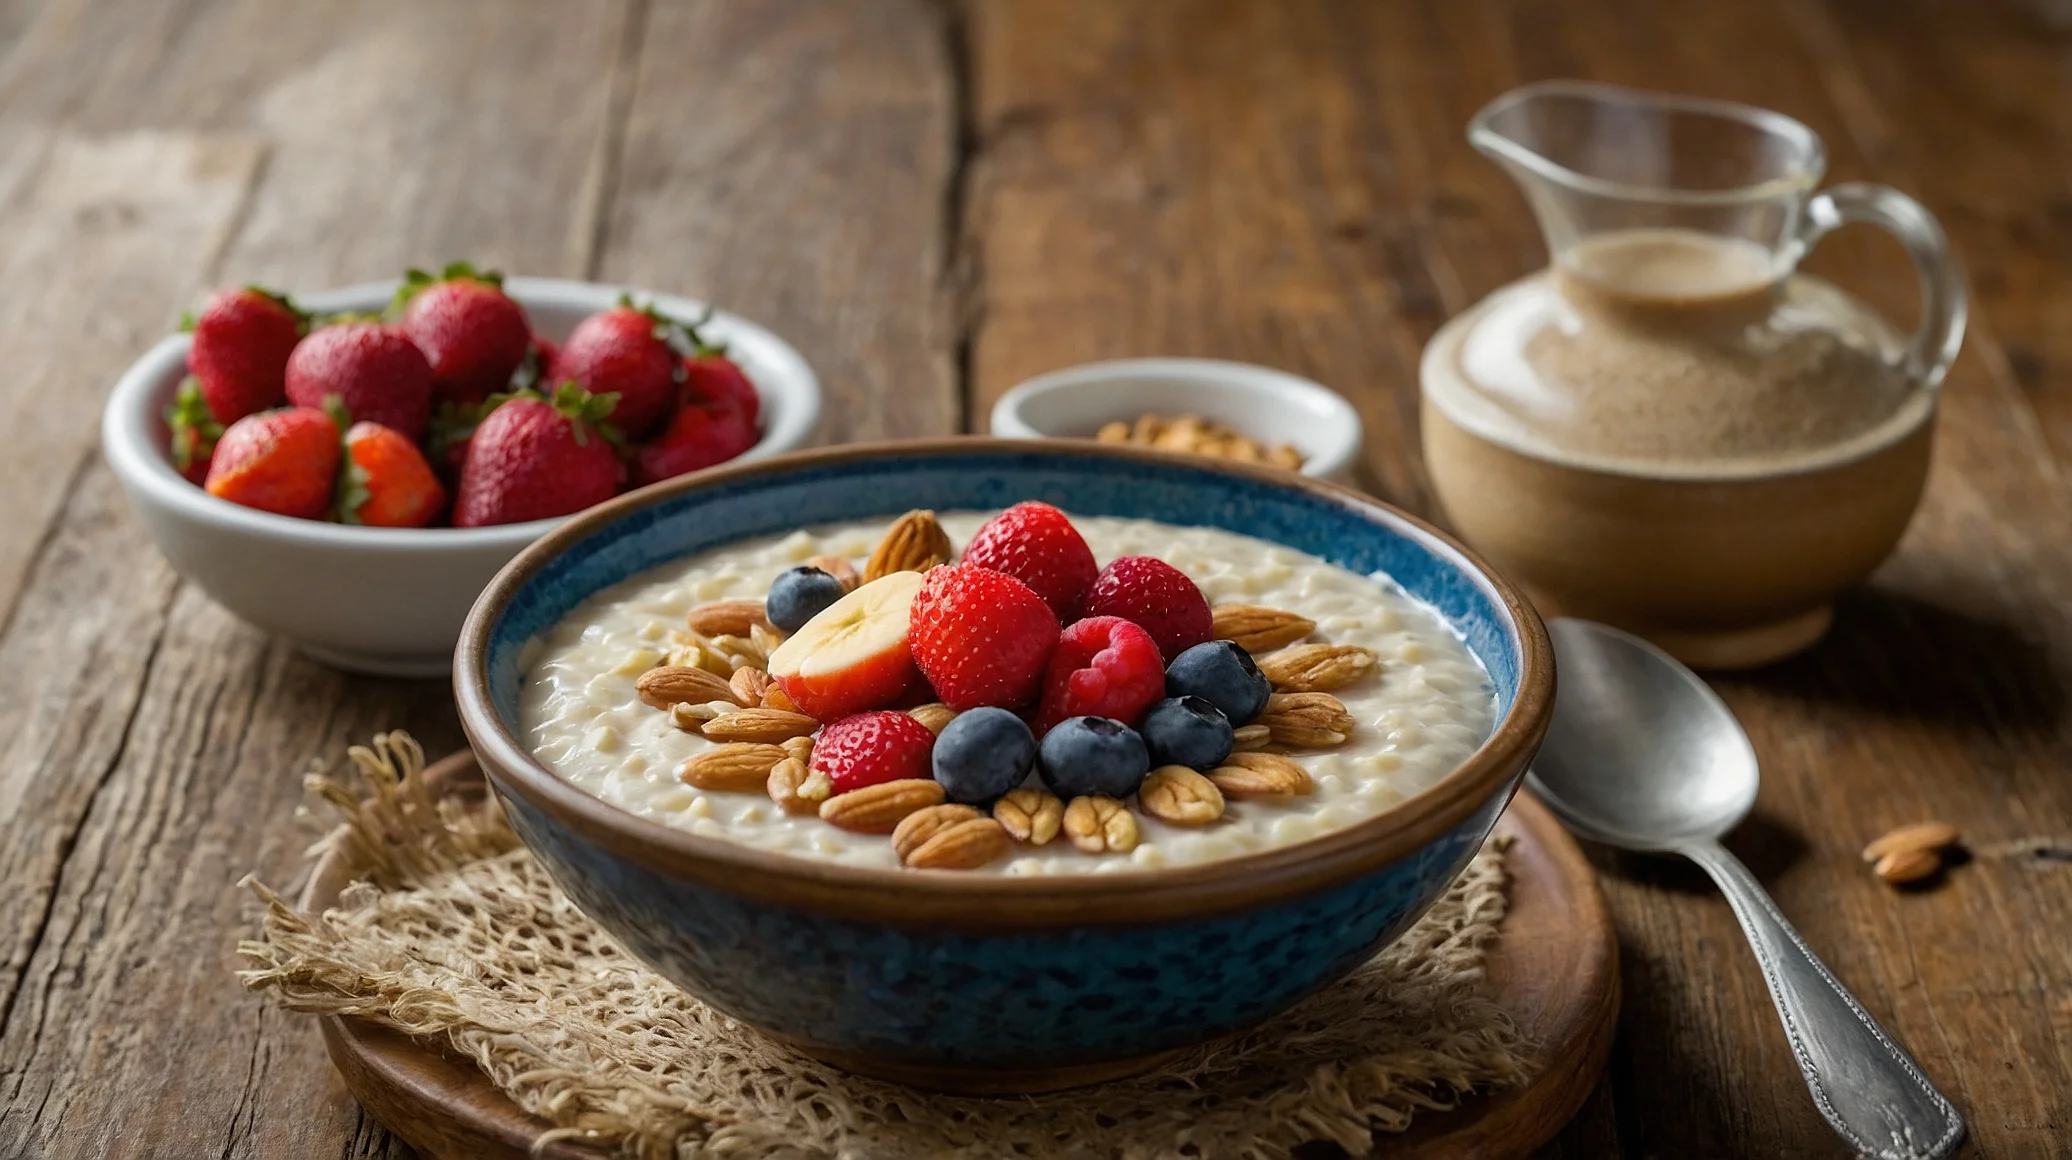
(1672, 353)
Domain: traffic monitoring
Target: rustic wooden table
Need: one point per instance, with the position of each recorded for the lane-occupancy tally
(933, 201)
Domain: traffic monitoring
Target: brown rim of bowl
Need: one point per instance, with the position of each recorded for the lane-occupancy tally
(998, 902)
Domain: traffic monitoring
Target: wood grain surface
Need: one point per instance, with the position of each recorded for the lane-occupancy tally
(934, 200)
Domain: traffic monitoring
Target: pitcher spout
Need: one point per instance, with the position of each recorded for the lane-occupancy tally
(1593, 158)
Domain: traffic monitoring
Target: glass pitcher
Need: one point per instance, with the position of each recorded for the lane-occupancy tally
(1671, 428)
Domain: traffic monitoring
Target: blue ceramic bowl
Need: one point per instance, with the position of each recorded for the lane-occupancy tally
(986, 982)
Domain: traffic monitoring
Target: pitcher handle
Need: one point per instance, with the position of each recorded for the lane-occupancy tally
(1935, 344)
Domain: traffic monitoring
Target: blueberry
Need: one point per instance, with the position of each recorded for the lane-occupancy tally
(1093, 755)
(1222, 674)
(1186, 731)
(982, 753)
(800, 595)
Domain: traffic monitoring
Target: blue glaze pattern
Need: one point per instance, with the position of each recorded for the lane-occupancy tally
(1028, 999)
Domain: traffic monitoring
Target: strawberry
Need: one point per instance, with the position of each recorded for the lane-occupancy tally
(1104, 666)
(625, 351)
(713, 376)
(239, 353)
(1156, 595)
(1036, 544)
(981, 637)
(870, 748)
(471, 332)
(699, 435)
(194, 431)
(284, 462)
(374, 370)
(386, 483)
(532, 459)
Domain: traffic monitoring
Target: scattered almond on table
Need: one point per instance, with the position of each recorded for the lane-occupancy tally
(1200, 436)
(1910, 853)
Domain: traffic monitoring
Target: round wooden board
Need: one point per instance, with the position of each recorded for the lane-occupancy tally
(1555, 968)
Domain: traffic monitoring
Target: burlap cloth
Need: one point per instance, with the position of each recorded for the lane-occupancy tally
(455, 935)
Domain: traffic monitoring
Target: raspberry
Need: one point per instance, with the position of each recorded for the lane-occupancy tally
(981, 637)
(1036, 544)
(1152, 593)
(1104, 666)
(868, 748)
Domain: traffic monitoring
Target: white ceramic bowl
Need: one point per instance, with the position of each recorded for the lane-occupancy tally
(1268, 405)
(383, 600)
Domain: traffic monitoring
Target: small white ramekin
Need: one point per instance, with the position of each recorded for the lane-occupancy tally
(383, 600)
(1268, 405)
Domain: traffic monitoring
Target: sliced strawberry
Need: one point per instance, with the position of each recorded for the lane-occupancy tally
(284, 461)
(1104, 666)
(872, 748)
(1156, 595)
(981, 637)
(1036, 544)
(386, 482)
(472, 333)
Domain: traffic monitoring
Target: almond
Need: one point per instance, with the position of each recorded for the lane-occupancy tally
(1256, 629)
(966, 845)
(1030, 815)
(771, 725)
(786, 779)
(1315, 668)
(1253, 736)
(775, 697)
(915, 543)
(749, 684)
(1177, 794)
(727, 618)
(741, 767)
(673, 685)
(1919, 836)
(1306, 720)
(837, 567)
(1911, 864)
(921, 825)
(935, 715)
(1257, 775)
(1100, 825)
(876, 809)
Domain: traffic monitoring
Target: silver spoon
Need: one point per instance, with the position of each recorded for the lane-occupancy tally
(1642, 755)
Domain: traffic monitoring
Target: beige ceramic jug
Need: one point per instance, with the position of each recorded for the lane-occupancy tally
(1670, 429)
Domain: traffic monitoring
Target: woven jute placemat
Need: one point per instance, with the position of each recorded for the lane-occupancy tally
(453, 934)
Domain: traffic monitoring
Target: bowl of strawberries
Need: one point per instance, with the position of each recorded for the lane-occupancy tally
(349, 468)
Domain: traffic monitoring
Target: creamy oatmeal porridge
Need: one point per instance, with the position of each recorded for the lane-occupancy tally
(1428, 705)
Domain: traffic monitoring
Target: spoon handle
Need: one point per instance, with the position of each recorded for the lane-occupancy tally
(1866, 1085)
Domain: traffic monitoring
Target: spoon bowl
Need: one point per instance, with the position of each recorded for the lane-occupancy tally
(1643, 755)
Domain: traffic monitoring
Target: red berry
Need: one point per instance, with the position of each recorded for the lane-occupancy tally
(981, 637)
(623, 351)
(716, 377)
(698, 436)
(532, 459)
(239, 355)
(373, 370)
(1156, 595)
(284, 461)
(1104, 666)
(869, 748)
(471, 332)
(387, 482)
(1036, 544)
